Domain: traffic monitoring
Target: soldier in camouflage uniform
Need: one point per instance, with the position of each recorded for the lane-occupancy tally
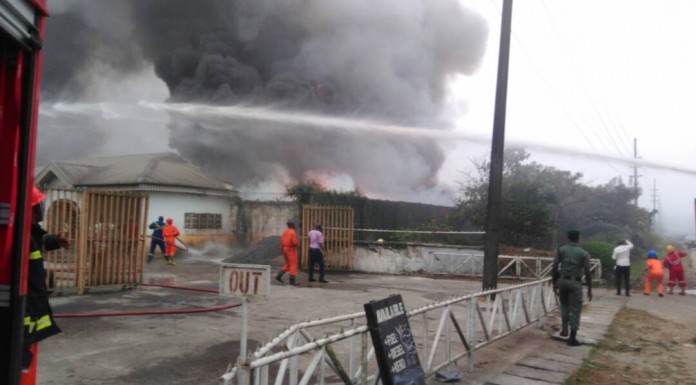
(574, 262)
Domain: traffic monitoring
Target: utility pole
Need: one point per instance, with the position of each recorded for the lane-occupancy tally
(654, 195)
(654, 204)
(494, 212)
(635, 171)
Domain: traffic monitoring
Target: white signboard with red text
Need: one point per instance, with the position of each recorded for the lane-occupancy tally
(245, 281)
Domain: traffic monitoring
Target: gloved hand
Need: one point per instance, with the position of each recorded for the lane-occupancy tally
(62, 241)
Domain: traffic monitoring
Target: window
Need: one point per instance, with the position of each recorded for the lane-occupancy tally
(202, 221)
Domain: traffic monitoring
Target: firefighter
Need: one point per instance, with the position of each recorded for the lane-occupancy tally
(288, 246)
(170, 232)
(676, 269)
(157, 240)
(38, 318)
(654, 271)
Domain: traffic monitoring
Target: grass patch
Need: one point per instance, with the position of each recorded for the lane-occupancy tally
(638, 348)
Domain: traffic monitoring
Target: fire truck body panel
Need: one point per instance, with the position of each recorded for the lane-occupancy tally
(21, 34)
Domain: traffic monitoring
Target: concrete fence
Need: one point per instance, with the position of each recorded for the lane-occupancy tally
(452, 260)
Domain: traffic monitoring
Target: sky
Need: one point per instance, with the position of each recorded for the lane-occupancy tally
(589, 77)
(586, 79)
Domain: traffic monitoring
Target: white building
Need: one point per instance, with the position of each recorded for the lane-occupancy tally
(202, 206)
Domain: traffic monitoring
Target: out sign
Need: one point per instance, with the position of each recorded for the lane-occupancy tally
(245, 281)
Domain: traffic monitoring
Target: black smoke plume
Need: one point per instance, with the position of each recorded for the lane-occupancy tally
(388, 60)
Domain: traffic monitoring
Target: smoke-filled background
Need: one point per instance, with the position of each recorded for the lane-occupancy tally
(388, 60)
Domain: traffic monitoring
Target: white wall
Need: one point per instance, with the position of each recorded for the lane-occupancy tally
(418, 258)
(174, 205)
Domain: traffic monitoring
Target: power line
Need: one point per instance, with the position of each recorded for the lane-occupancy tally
(555, 96)
(557, 99)
(603, 124)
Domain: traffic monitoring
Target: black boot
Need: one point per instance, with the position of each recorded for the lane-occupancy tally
(572, 340)
(564, 328)
(279, 277)
(292, 280)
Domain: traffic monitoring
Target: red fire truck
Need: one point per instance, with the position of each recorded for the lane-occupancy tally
(21, 39)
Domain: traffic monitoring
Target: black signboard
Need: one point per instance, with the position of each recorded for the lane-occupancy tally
(395, 347)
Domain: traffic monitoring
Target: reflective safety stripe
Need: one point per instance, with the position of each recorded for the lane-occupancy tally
(40, 324)
(43, 323)
(35, 255)
(28, 323)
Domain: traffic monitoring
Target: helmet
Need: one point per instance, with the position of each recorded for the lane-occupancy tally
(170, 221)
(652, 254)
(670, 248)
(36, 196)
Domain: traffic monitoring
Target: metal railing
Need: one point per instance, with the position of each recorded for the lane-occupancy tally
(511, 267)
(339, 349)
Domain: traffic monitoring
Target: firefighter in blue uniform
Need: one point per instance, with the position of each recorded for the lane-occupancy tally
(157, 238)
(574, 262)
(38, 317)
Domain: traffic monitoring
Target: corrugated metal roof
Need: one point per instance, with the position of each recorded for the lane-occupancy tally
(145, 169)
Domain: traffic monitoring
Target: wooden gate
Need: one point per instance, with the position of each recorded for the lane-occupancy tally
(106, 230)
(337, 222)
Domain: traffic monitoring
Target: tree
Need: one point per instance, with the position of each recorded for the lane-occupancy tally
(541, 202)
(304, 191)
(527, 205)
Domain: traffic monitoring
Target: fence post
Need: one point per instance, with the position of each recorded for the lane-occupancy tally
(518, 268)
(81, 265)
(542, 307)
(363, 358)
(470, 333)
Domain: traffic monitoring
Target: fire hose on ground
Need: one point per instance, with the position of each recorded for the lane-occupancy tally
(154, 312)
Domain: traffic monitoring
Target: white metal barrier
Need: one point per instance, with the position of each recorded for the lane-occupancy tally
(512, 267)
(339, 349)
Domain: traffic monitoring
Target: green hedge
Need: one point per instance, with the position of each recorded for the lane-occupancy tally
(602, 251)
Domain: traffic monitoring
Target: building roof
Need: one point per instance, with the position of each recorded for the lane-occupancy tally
(167, 170)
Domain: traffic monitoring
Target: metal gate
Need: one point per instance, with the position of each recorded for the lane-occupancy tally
(338, 234)
(106, 230)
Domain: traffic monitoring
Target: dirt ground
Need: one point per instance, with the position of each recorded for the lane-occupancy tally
(651, 341)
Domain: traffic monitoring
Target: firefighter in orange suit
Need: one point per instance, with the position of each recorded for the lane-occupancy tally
(38, 318)
(653, 268)
(170, 232)
(288, 246)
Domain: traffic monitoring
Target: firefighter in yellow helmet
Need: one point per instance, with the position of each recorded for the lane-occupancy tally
(672, 261)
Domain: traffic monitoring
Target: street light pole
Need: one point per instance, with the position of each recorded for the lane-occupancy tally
(494, 213)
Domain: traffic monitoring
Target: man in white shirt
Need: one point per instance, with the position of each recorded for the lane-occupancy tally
(622, 265)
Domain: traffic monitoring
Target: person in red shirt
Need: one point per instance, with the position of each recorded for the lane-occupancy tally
(676, 269)
(288, 246)
(170, 232)
(654, 271)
